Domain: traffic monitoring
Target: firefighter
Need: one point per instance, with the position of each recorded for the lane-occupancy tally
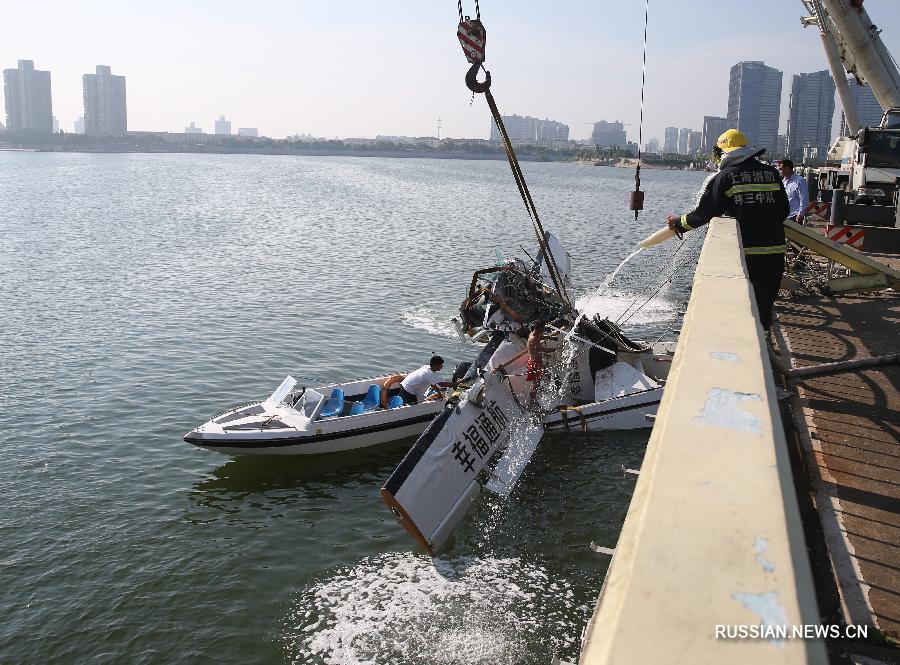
(752, 193)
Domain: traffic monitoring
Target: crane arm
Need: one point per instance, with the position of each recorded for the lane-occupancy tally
(862, 51)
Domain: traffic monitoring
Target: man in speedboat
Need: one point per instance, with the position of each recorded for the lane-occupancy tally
(752, 193)
(417, 384)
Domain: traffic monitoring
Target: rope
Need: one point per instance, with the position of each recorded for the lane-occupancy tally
(473, 36)
(477, 10)
(519, 177)
(637, 197)
(643, 82)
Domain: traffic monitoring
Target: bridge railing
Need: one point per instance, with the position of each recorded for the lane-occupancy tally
(712, 543)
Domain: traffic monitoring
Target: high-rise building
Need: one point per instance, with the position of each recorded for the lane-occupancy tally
(79, 125)
(670, 145)
(867, 107)
(694, 145)
(781, 146)
(551, 131)
(810, 114)
(29, 108)
(104, 103)
(713, 128)
(652, 147)
(193, 129)
(248, 131)
(55, 125)
(520, 129)
(609, 134)
(525, 129)
(683, 136)
(754, 102)
(223, 126)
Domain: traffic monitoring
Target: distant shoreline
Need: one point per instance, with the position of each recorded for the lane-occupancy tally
(624, 163)
(428, 148)
(403, 154)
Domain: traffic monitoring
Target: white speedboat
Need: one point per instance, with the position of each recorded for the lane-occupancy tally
(309, 421)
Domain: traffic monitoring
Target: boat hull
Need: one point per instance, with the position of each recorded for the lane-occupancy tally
(319, 441)
(626, 412)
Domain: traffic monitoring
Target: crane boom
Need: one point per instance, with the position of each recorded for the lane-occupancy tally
(819, 18)
(863, 53)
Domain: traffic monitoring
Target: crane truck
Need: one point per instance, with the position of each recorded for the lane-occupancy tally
(862, 171)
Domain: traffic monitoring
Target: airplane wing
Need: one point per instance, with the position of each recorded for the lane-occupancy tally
(441, 476)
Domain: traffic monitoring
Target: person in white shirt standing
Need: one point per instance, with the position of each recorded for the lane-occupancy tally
(416, 384)
(797, 191)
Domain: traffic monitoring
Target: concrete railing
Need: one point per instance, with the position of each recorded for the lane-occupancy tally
(713, 534)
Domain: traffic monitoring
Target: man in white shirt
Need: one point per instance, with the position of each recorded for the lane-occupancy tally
(416, 384)
(797, 191)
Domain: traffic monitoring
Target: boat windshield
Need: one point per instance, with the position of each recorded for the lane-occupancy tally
(282, 391)
(311, 399)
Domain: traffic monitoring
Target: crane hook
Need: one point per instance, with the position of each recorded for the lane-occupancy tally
(473, 38)
(472, 82)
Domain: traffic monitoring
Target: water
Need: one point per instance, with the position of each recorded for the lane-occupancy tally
(142, 293)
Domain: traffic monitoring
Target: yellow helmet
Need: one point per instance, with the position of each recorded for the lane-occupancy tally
(731, 140)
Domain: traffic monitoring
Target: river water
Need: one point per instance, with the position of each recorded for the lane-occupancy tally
(142, 293)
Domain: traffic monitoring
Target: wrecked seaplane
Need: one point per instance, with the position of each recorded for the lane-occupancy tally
(594, 378)
(591, 376)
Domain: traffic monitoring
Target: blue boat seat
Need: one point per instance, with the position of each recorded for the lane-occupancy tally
(334, 405)
(357, 409)
(373, 398)
(396, 402)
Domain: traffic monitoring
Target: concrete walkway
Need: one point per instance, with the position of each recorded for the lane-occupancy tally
(850, 425)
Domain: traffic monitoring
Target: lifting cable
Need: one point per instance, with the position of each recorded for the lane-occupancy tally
(472, 37)
(636, 201)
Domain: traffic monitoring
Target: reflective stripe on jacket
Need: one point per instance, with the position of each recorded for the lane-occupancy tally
(752, 193)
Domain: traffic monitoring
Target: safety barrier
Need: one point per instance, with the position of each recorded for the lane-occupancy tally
(713, 540)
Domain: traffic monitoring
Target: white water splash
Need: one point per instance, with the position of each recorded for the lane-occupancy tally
(403, 608)
(613, 303)
(603, 287)
(524, 439)
(611, 276)
(431, 317)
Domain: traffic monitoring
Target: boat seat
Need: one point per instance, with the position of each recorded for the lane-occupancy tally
(357, 408)
(396, 402)
(373, 398)
(334, 405)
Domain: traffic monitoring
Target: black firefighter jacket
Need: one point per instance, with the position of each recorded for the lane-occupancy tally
(752, 193)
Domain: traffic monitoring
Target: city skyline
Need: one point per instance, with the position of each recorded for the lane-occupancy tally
(110, 101)
(811, 103)
(255, 68)
(256, 71)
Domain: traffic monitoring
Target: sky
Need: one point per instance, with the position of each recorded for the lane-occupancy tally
(357, 68)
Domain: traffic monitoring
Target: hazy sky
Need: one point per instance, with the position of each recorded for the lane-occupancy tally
(360, 68)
